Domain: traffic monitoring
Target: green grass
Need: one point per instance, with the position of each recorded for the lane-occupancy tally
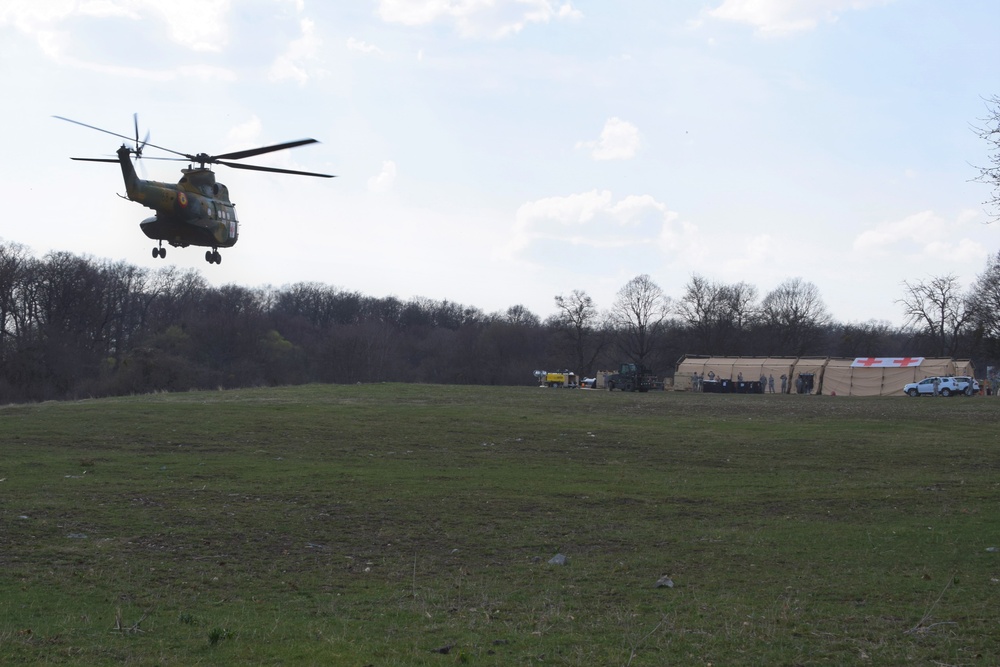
(412, 525)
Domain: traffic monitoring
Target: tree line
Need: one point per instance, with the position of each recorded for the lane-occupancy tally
(77, 327)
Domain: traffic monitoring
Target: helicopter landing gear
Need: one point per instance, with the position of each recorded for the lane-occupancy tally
(160, 252)
(213, 257)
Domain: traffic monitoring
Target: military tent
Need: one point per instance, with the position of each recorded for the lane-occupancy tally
(862, 376)
(964, 367)
(807, 375)
(881, 376)
(730, 369)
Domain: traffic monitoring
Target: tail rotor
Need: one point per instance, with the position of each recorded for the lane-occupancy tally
(139, 146)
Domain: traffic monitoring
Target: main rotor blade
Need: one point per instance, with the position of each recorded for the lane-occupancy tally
(239, 155)
(252, 167)
(202, 158)
(76, 122)
(94, 159)
(121, 136)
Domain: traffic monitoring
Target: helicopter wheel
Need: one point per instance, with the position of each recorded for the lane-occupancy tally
(213, 257)
(159, 252)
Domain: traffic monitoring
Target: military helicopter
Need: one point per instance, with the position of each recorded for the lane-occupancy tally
(197, 210)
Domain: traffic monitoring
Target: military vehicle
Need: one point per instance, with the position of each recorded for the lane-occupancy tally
(196, 210)
(633, 377)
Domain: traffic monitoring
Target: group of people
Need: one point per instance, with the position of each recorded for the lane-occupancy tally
(766, 381)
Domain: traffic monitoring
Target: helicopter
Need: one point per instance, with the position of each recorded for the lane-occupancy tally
(196, 210)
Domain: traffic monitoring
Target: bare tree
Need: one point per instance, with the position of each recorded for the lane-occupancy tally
(795, 315)
(579, 322)
(939, 311)
(15, 267)
(127, 295)
(639, 314)
(741, 303)
(990, 175)
(984, 299)
(511, 343)
(718, 314)
(865, 339)
(520, 315)
(701, 307)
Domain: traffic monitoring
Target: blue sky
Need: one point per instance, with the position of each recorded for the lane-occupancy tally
(501, 152)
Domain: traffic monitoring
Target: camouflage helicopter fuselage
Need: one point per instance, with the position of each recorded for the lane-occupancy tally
(194, 211)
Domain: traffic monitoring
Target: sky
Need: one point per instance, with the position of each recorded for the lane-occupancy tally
(502, 152)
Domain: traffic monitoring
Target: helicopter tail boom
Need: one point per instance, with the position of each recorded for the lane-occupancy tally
(132, 180)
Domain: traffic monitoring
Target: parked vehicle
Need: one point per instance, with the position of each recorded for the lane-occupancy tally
(633, 377)
(946, 386)
(557, 379)
(968, 385)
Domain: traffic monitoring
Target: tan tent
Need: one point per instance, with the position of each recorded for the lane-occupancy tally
(843, 377)
(964, 367)
(806, 369)
(839, 380)
(776, 367)
(686, 369)
(830, 376)
(704, 367)
(730, 368)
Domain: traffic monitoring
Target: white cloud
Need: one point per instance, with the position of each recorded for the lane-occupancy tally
(384, 181)
(477, 18)
(574, 209)
(245, 134)
(779, 17)
(52, 43)
(292, 63)
(29, 15)
(205, 73)
(631, 210)
(592, 219)
(363, 47)
(619, 141)
(923, 236)
(200, 25)
(55, 46)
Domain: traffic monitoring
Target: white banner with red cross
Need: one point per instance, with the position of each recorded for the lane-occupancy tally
(886, 362)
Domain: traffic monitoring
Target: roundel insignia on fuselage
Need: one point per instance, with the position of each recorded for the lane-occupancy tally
(182, 199)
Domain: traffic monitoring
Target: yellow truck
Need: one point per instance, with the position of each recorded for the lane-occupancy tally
(566, 379)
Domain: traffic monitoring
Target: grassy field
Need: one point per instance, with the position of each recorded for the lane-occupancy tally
(414, 525)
